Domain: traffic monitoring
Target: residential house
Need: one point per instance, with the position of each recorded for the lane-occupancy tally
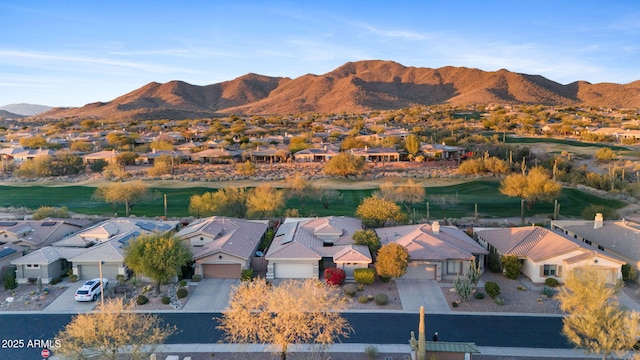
(109, 156)
(441, 152)
(222, 247)
(99, 248)
(619, 238)
(377, 154)
(436, 252)
(322, 154)
(303, 247)
(545, 253)
(268, 155)
(34, 234)
(216, 156)
(9, 252)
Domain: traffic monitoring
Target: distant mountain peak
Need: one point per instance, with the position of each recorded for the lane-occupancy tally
(25, 109)
(354, 87)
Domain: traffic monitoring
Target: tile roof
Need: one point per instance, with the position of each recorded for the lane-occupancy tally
(39, 232)
(238, 237)
(423, 243)
(47, 255)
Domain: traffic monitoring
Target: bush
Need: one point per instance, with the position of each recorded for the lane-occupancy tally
(55, 281)
(44, 212)
(548, 292)
(551, 282)
(166, 300)
(511, 266)
(247, 275)
(196, 278)
(492, 289)
(182, 293)
(182, 283)
(371, 352)
(629, 272)
(350, 289)
(334, 276)
(495, 266)
(364, 276)
(381, 299)
(141, 300)
(500, 301)
(120, 279)
(363, 299)
(454, 304)
(10, 282)
(73, 278)
(478, 295)
(385, 279)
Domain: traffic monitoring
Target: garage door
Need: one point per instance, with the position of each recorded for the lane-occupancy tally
(88, 272)
(293, 271)
(221, 271)
(420, 271)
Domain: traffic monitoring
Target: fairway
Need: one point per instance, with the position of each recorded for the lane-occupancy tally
(459, 201)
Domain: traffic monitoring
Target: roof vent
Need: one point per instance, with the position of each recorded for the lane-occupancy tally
(435, 227)
(598, 222)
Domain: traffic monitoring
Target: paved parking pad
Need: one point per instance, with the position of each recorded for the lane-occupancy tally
(210, 295)
(427, 293)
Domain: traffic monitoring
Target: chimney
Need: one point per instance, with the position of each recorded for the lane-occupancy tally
(435, 227)
(598, 222)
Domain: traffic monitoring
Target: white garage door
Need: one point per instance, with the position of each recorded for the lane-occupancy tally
(420, 271)
(88, 272)
(293, 271)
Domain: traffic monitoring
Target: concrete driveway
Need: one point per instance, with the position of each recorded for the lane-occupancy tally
(210, 295)
(65, 303)
(427, 293)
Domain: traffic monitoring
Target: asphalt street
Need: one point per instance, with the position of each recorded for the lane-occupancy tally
(23, 335)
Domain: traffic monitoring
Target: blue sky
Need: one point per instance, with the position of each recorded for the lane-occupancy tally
(70, 53)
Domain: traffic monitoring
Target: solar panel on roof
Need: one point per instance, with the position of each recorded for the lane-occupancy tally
(153, 227)
(6, 251)
(48, 223)
(125, 239)
(8, 223)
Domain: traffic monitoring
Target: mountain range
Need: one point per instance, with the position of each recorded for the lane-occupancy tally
(355, 87)
(19, 110)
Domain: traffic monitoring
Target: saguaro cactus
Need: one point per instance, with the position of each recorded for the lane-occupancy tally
(419, 346)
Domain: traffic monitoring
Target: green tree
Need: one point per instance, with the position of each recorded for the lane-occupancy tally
(532, 187)
(392, 260)
(81, 146)
(367, 238)
(44, 212)
(604, 154)
(246, 169)
(300, 189)
(344, 164)
(595, 321)
(127, 193)
(264, 202)
(329, 196)
(293, 312)
(66, 163)
(160, 257)
(376, 211)
(162, 165)
(161, 145)
(412, 145)
(41, 166)
(511, 265)
(228, 201)
(104, 333)
(34, 142)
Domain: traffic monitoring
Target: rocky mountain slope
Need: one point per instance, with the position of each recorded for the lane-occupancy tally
(353, 87)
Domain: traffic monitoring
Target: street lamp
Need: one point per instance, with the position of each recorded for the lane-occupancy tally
(101, 286)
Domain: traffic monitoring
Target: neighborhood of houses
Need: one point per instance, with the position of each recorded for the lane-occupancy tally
(302, 247)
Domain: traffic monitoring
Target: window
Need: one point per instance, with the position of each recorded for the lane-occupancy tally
(454, 267)
(33, 266)
(550, 270)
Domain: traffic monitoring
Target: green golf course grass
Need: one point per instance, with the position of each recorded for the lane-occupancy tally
(461, 201)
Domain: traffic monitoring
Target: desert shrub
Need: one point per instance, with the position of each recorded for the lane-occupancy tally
(334, 276)
(247, 275)
(371, 352)
(360, 287)
(73, 278)
(120, 279)
(182, 293)
(548, 292)
(521, 288)
(511, 266)
(629, 272)
(454, 304)
(463, 287)
(10, 282)
(141, 300)
(492, 289)
(381, 299)
(196, 278)
(364, 276)
(494, 263)
(350, 289)
(44, 212)
(182, 283)
(55, 281)
(363, 299)
(478, 295)
(551, 282)
(385, 279)
(500, 301)
(166, 300)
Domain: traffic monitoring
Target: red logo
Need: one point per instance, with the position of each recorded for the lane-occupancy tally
(45, 353)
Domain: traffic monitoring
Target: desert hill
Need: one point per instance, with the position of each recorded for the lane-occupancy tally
(354, 87)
